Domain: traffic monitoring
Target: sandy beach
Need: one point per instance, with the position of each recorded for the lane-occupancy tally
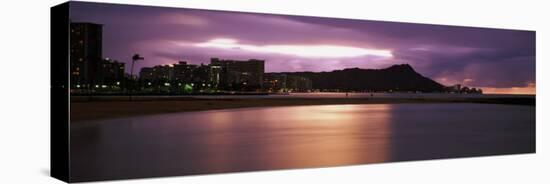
(83, 109)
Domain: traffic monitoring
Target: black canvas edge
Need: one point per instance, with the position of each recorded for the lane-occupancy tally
(59, 92)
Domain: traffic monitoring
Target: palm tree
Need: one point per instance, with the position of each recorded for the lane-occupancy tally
(135, 58)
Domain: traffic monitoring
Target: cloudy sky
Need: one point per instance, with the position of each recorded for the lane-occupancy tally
(497, 60)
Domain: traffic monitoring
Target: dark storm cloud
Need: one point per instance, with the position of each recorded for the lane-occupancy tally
(449, 54)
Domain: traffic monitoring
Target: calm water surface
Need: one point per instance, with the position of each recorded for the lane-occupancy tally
(295, 137)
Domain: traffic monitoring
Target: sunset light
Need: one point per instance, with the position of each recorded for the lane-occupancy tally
(313, 51)
(530, 89)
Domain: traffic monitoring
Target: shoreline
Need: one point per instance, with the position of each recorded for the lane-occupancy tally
(97, 109)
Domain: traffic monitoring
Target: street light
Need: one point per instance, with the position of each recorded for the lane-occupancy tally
(135, 58)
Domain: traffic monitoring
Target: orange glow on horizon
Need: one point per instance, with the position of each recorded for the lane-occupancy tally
(528, 90)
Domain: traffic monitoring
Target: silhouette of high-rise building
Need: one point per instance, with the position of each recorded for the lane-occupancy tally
(277, 82)
(85, 53)
(218, 75)
(109, 74)
(158, 73)
(239, 74)
(183, 72)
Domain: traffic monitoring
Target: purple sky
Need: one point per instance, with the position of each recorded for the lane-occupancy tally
(494, 59)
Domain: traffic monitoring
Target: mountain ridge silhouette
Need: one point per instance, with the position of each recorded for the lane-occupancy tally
(399, 77)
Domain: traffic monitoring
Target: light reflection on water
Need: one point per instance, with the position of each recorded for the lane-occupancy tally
(294, 137)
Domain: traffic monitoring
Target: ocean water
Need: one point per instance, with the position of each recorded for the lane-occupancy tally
(267, 138)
